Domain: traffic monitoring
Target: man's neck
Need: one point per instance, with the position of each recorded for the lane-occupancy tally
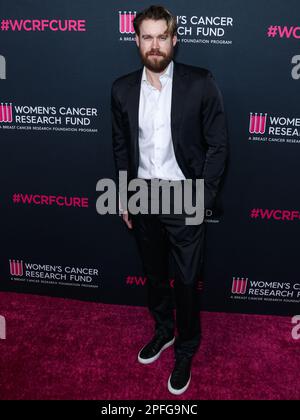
(153, 77)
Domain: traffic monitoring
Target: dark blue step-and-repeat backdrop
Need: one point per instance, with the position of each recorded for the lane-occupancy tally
(57, 62)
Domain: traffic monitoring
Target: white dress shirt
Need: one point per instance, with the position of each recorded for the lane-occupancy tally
(157, 158)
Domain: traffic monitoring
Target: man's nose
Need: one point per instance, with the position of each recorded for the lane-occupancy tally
(155, 43)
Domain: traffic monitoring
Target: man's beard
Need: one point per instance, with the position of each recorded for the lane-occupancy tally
(157, 64)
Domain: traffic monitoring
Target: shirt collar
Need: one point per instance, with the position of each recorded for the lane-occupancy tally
(168, 74)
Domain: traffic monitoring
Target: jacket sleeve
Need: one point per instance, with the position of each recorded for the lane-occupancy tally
(118, 133)
(120, 150)
(215, 136)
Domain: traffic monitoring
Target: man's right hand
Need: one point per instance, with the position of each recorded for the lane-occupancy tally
(127, 220)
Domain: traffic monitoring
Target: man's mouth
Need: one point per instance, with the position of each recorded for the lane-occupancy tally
(156, 54)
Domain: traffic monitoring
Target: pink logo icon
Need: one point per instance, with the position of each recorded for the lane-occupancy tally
(239, 286)
(126, 22)
(5, 112)
(16, 267)
(257, 123)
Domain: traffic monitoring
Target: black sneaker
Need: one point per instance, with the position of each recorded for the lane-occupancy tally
(180, 378)
(151, 351)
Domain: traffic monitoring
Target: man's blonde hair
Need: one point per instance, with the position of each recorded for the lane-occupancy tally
(156, 13)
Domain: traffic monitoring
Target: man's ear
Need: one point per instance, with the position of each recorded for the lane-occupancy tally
(137, 40)
(174, 40)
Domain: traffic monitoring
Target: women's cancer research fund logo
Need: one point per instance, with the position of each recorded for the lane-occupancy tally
(126, 22)
(82, 119)
(257, 123)
(6, 114)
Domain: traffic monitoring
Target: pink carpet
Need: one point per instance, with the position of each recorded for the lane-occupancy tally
(65, 349)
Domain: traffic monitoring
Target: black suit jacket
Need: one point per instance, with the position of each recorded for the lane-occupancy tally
(198, 125)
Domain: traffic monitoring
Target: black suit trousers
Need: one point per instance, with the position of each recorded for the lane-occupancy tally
(162, 238)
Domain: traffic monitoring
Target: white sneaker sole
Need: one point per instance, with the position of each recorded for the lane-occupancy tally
(154, 358)
(178, 391)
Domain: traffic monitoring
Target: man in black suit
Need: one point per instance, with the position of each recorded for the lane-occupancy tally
(168, 123)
